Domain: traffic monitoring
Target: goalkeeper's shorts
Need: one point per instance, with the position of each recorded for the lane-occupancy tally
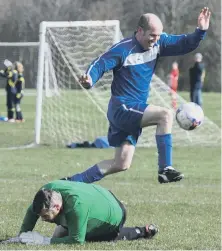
(125, 123)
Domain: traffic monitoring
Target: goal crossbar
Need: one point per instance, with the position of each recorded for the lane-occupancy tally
(68, 24)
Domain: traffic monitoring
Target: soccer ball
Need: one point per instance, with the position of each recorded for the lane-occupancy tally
(189, 116)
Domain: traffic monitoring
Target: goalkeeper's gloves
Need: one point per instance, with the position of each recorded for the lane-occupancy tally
(18, 95)
(8, 63)
(11, 240)
(86, 81)
(34, 238)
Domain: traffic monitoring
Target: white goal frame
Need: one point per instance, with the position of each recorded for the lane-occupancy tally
(41, 57)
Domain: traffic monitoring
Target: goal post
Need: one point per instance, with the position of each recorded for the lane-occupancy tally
(40, 74)
(45, 64)
(65, 112)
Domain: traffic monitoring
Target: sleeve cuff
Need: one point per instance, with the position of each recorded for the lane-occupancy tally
(93, 77)
(201, 33)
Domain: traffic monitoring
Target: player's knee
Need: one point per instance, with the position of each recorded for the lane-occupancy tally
(167, 116)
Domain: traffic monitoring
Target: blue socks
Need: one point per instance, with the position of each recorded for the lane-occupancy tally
(164, 146)
(89, 176)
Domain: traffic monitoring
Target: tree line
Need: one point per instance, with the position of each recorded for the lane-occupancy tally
(20, 23)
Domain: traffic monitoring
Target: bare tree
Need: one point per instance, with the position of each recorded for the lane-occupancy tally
(20, 22)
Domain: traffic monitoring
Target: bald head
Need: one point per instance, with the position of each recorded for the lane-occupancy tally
(149, 30)
(150, 21)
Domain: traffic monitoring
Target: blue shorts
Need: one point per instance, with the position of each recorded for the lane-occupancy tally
(125, 120)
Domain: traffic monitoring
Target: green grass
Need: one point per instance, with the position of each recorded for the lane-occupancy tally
(79, 109)
(188, 213)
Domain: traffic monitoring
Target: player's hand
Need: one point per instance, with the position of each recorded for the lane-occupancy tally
(204, 19)
(85, 81)
(34, 238)
(11, 240)
(18, 95)
(8, 63)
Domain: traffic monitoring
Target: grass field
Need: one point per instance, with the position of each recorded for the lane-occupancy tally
(188, 213)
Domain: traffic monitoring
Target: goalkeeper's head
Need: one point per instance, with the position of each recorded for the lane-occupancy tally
(47, 204)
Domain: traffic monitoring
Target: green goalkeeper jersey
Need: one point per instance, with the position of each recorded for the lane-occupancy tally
(88, 211)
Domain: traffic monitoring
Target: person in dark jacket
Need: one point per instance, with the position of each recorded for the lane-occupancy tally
(197, 75)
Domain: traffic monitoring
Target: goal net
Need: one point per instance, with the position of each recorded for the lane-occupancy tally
(68, 113)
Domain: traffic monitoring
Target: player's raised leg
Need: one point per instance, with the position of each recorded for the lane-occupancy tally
(163, 119)
(121, 162)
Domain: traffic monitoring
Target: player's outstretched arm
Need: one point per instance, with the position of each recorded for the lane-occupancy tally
(174, 45)
(29, 220)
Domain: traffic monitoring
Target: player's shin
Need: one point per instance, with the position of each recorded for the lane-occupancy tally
(10, 113)
(19, 115)
(91, 175)
(164, 146)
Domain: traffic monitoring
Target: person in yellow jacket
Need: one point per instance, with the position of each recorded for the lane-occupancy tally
(11, 76)
(19, 86)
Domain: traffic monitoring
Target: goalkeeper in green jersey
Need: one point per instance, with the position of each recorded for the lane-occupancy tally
(82, 212)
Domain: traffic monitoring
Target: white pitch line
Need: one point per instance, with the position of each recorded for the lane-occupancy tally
(31, 145)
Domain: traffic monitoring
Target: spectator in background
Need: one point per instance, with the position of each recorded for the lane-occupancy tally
(197, 75)
(14, 89)
(173, 83)
(19, 86)
(11, 76)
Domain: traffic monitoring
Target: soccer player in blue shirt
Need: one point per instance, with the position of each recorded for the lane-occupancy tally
(133, 62)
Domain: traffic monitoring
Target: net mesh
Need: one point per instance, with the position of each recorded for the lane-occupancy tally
(72, 114)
